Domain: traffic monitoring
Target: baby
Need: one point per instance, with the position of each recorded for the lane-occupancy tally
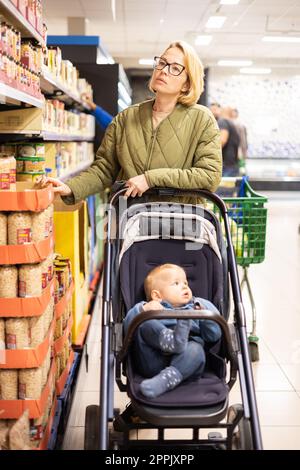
(170, 351)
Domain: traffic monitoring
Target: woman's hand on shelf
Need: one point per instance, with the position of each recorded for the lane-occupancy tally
(58, 186)
(88, 101)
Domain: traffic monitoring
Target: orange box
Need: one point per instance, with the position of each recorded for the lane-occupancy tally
(26, 198)
(28, 253)
(62, 304)
(27, 306)
(13, 409)
(59, 343)
(28, 358)
(61, 382)
(44, 442)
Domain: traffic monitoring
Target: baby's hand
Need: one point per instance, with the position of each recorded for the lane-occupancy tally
(152, 305)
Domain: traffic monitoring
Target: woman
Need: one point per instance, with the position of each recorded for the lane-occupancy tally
(169, 141)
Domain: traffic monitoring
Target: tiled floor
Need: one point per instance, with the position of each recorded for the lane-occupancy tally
(275, 284)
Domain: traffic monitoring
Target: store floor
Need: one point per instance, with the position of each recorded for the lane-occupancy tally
(275, 285)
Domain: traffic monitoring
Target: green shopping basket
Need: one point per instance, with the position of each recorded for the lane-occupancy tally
(248, 222)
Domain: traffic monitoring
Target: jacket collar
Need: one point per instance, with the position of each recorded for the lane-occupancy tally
(145, 113)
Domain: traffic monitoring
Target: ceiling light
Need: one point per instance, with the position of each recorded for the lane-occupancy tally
(255, 70)
(203, 40)
(235, 63)
(229, 2)
(215, 21)
(113, 9)
(146, 61)
(281, 39)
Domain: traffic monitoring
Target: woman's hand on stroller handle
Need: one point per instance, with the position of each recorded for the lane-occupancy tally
(136, 186)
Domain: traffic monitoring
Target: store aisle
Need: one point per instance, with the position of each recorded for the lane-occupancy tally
(277, 374)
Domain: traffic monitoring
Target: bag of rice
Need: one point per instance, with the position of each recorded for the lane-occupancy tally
(19, 228)
(30, 384)
(58, 328)
(3, 434)
(2, 334)
(8, 281)
(17, 333)
(30, 280)
(45, 367)
(50, 211)
(37, 330)
(48, 315)
(40, 226)
(19, 433)
(3, 228)
(8, 384)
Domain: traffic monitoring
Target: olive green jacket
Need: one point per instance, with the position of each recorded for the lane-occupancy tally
(184, 151)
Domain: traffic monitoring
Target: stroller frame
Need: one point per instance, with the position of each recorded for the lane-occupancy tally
(243, 417)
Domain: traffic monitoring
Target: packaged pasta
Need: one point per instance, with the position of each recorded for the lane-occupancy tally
(2, 334)
(17, 333)
(30, 384)
(19, 433)
(8, 384)
(30, 280)
(19, 228)
(40, 226)
(3, 228)
(37, 330)
(8, 281)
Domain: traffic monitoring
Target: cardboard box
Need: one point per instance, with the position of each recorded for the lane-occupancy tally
(26, 120)
(71, 227)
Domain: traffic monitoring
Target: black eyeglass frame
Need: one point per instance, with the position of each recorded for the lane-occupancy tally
(168, 65)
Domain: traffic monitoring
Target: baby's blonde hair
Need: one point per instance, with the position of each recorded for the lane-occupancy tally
(148, 283)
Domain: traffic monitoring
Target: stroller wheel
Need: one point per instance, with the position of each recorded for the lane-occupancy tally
(91, 431)
(242, 436)
(242, 439)
(254, 352)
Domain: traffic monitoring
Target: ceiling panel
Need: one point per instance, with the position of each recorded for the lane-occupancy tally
(145, 27)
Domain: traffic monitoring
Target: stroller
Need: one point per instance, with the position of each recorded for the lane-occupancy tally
(149, 234)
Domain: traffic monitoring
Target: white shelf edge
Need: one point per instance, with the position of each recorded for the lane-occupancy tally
(46, 75)
(20, 22)
(15, 94)
(66, 137)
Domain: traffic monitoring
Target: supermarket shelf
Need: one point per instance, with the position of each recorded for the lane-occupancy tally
(47, 432)
(65, 137)
(50, 84)
(18, 96)
(61, 382)
(15, 17)
(61, 305)
(75, 171)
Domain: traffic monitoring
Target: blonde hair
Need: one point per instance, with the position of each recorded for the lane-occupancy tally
(195, 73)
(149, 280)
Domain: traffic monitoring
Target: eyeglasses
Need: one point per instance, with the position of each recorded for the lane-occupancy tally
(173, 69)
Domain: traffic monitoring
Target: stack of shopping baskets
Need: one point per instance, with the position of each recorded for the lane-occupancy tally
(248, 221)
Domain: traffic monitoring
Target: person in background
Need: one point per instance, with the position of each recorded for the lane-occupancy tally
(168, 141)
(242, 131)
(169, 351)
(230, 140)
(102, 117)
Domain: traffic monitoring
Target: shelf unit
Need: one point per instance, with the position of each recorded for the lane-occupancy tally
(15, 17)
(51, 85)
(14, 96)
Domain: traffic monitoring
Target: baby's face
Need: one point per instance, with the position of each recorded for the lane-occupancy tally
(173, 287)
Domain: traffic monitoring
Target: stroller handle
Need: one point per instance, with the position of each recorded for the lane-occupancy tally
(178, 314)
(119, 188)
